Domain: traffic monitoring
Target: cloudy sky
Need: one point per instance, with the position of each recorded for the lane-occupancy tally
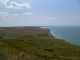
(39, 13)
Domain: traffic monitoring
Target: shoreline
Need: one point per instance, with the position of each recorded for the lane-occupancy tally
(50, 32)
(34, 30)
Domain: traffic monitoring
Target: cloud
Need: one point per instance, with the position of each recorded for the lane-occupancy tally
(4, 2)
(14, 14)
(28, 13)
(18, 6)
(4, 14)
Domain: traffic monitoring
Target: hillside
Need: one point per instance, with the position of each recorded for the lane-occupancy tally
(14, 46)
(33, 48)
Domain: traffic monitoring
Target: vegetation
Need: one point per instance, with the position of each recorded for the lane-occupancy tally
(34, 48)
(11, 34)
(3, 28)
(42, 35)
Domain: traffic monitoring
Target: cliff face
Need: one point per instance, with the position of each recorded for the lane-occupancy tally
(49, 33)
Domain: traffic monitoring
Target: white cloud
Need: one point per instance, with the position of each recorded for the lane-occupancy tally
(28, 13)
(4, 14)
(4, 2)
(14, 14)
(18, 6)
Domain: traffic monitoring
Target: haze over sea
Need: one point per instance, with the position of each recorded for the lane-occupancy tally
(68, 33)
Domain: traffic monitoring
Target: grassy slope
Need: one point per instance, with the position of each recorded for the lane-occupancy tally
(42, 35)
(33, 48)
(11, 34)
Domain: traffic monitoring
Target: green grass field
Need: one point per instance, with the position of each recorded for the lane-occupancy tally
(34, 48)
(2, 28)
(11, 34)
(42, 35)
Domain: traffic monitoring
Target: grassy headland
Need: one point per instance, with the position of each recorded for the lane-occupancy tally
(34, 48)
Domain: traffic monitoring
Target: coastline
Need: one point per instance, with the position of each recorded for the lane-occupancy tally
(49, 32)
(37, 30)
(60, 37)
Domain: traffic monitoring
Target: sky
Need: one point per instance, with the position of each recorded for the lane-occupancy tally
(39, 13)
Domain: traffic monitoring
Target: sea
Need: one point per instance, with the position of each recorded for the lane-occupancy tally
(68, 33)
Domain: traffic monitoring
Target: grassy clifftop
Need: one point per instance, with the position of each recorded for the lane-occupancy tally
(34, 48)
(17, 32)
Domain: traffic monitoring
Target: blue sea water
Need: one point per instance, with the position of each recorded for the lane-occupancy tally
(68, 33)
